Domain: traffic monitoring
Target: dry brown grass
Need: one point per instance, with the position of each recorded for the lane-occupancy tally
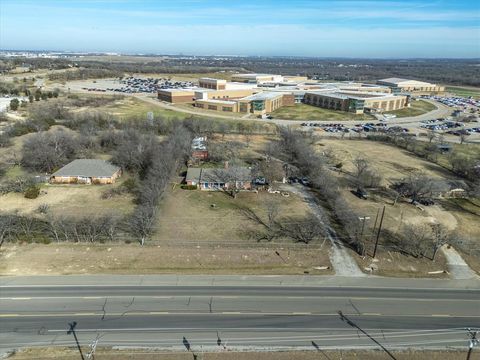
(188, 215)
(67, 259)
(72, 354)
(69, 200)
(394, 164)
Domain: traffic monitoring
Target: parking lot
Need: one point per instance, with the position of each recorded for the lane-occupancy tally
(129, 85)
(455, 101)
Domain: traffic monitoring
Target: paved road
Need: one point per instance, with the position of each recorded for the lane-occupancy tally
(241, 313)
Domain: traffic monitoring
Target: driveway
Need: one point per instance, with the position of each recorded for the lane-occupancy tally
(343, 264)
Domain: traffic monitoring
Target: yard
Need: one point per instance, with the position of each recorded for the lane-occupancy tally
(214, 217)
(417, 107)
(304, 112)
(70, 200)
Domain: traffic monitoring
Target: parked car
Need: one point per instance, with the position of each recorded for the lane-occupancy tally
(426, 202)
(361, 193)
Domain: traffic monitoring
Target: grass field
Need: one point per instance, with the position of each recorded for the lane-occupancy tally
(188, 216)
(393, 164)
(417, 107)
(121, 258)
(131, 107)
(464, 92)
(150, 354)
(70, 200)
(304, 112)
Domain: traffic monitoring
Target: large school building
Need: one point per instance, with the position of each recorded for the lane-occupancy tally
(261, 94)
(398, 85)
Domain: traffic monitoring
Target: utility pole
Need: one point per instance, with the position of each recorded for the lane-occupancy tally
(472, 342)
(378, 233)
(375, 223)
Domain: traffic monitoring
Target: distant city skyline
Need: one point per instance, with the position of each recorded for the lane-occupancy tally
(342, 28)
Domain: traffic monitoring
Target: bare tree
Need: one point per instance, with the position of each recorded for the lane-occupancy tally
(269, 225)
(365, 175)
(7, 227)
(431, 135)
(416, 186)
(415, 239)
(302, 230)
(46, 151)
(142, 222)
(270, 169)
(440, 236)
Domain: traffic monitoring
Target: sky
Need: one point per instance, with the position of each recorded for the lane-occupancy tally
(334, 28)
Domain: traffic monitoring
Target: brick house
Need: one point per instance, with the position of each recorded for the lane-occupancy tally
(86, 171)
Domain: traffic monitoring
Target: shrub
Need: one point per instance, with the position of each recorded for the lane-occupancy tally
(32, 192)
(189, 187)
(130, 185)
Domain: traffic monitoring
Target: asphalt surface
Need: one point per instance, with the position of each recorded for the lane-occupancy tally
(236, 315)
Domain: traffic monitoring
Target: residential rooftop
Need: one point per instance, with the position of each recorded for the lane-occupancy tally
(88, 168)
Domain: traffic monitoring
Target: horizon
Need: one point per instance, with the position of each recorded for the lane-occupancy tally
(345, 29)
(105, 53)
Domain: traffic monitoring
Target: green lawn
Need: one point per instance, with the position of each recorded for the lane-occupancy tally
(417, 107)
(131, 107)
(464, 92)
(304, 112)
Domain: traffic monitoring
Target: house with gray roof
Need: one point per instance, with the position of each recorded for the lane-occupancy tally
(239, 178)
(86, 171)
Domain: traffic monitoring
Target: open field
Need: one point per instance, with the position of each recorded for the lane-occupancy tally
(304, 112)
(130, 354)
(70, 200)
(121, 258)
(460, 216)
(417, 107)
(188, 216)
(132, 107)
(464, 91)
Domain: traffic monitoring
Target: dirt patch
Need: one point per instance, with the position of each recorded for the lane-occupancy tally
(72, 354)
(394, 264)
(68, 259)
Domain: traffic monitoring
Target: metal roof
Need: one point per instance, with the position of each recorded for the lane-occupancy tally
(262, 96)
(394, 80)
(88, 168)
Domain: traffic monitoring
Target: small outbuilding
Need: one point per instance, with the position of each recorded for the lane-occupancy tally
(86, 171)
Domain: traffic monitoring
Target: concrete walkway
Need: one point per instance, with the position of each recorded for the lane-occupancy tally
(458, 268)
(343, 264)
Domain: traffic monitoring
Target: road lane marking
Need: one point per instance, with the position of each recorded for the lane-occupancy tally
(21, 298)
(441, 315)
(301, 313)
(371, 314)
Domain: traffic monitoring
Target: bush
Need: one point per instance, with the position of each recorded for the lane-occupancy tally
(189, 187)
(32, 192)
(130, 185)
